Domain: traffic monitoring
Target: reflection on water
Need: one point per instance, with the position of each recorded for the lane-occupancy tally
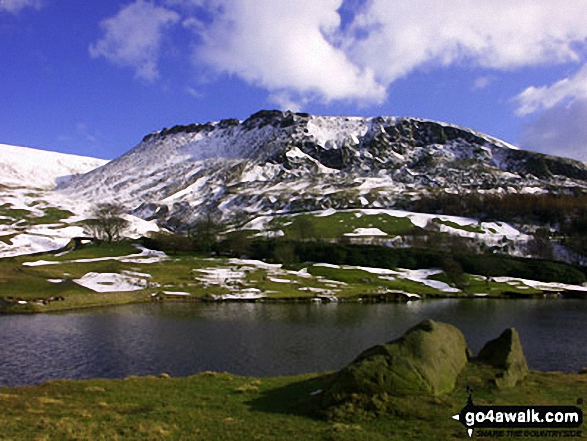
(267, 339)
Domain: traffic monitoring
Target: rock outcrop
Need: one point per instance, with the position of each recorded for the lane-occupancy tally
(427, 360)
(505, 353)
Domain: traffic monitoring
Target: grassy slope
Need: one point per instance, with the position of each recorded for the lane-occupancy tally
(336, 225)
(182, 272)
(212, 406)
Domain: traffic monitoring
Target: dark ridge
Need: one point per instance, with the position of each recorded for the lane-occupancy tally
(263, 118)
(229, 122)
(190, 128)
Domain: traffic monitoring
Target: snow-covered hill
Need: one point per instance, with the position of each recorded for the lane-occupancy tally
(23, 166)
(279, 162)
(33, 218)
(274, 163)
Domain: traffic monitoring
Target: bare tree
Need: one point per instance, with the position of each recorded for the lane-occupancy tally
(106, 222)
(204, 230)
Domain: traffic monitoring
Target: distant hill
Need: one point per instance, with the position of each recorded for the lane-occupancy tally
(23, 166)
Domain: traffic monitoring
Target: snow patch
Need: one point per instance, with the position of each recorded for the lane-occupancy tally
(112, 282)
(366, 232)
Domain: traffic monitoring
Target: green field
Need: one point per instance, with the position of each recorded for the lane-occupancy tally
(214, 406)
(201, 277)
(336, 225)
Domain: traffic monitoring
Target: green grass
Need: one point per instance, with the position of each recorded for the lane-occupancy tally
(51, 215)
(212, 406)
(336, 225)
(469, 228)
(182, 272)
(7, 238)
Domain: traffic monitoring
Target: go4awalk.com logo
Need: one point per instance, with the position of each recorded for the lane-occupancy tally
(536, 422)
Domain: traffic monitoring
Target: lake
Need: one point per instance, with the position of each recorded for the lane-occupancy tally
(267, 339)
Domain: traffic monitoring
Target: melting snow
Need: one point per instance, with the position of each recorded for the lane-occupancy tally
(111, 282)
(366, 232)
(241, 296)
(145, 256)
(276, 280)
(543, 286)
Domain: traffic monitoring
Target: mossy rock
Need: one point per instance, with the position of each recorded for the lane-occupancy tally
(427, 359)
(506, 353)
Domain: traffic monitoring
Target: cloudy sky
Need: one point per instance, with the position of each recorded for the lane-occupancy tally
(94, 77)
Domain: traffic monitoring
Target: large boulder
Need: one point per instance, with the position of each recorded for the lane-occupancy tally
(427, 359)
(505, 353)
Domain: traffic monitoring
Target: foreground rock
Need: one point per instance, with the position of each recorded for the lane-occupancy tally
(506, 353)
(427, 359)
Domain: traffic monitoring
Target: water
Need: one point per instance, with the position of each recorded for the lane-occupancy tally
(267, 339)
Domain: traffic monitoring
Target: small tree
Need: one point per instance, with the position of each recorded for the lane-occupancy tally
(304, 228)
(106, 222)
(204, 230)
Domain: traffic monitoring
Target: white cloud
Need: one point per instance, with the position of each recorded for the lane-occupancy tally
(285, 47)
(482, 82)
(563, 91)
(560, 131)
(286, 101)
(15, 6)
(400, 36)
(298, 50)
(300, 46)
(134, 36)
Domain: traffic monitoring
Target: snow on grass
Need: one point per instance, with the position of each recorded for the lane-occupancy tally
(145, 256)
(303, 273)
(543, 286)
(30, 244)
(112, 282)
(317, 290)
(277, 280)
(422, 276)
(366, 232)
(239, 297)
(136, 274)
(256, 263)
(488, 232)
(41, 263)
(328, 265)
(223, 277)
(371, 270)
(419, 275)
(326, 213)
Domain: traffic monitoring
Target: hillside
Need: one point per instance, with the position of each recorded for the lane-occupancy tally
(283, 162)
(348, 177)
(33, 168)
(33, 217)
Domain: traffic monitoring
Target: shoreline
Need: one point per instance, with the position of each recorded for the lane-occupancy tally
(366, 299)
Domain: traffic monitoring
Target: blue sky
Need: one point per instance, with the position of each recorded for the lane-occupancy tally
(93, 78)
